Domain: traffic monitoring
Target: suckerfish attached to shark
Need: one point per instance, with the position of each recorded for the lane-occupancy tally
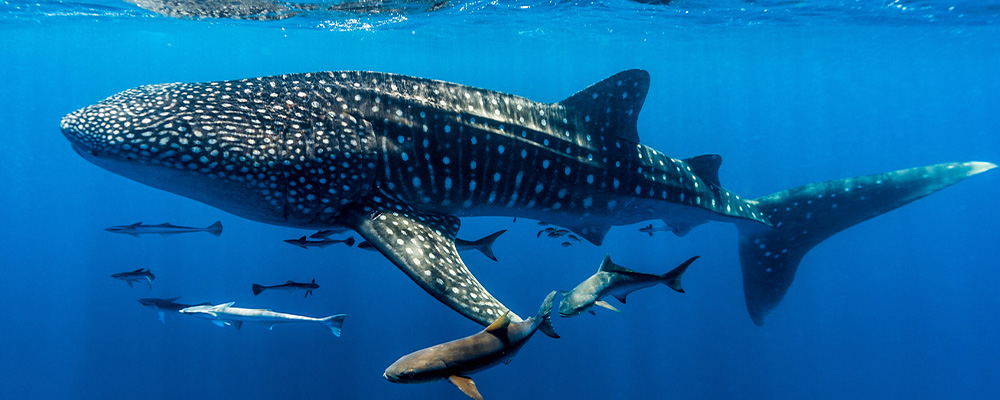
(138, 275)
(288, 286)
(398, 159)
(138, 228)
(226, 314)
(163, 305)
(457, 359)
(617, 281)
(483, 245)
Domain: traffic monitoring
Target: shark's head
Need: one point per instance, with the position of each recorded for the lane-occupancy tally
(574, 303)
(418, 367)
(201, 311)
(255, 148)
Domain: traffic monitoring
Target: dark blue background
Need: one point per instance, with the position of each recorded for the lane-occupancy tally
(902, 306)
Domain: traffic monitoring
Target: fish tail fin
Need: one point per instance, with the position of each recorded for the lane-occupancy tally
(215, 229)
(803, 217)
(485, 245)
(334, 322)
(673, 278)
(257, 289)
(545, 316)
(349, 242)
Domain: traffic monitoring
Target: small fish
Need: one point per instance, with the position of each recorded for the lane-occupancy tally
(484, 245)
(650, 229)
(543, 223)
(305, 243)
(617, 281)
(289, 286)
(574, 237)
(567, 244)
(138, 275)
(325, 233)
(226, 314)
(163, 305)
(515, 219)
(138, 228)
(555, 234)
(457, 359)
(546, 230)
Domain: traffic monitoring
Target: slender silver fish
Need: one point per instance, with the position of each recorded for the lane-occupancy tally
(289, 286)
(617, 281)
(457, 359)
(138, 228)
(305, 243)
(484, 245)
(226, 314)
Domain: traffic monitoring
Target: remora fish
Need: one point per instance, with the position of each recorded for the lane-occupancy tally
(226, 314)
(398, 159)
(163, 305)
(617, 281)
(457, 359)
(484, 245)
(289, 286)
(650, 229)
(305, 243)
(138, 275)
(138, 228)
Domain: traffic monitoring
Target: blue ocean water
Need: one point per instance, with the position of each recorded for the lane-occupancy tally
(902, 306)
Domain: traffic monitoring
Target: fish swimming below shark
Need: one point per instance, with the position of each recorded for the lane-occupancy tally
(289, 286)
(138, 228)
(616, 281)
(650, 229)
(483, 245)
(457, 359)
(163, 305)
(400, 159)
(139, 275)
(226, 314)
(305, 243)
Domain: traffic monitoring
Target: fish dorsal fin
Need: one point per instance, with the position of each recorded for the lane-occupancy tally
(466, 385)
(303, 239)
(611, 105)
(609, 266)
(706, 167)
(314, 280)
(500, 323)
(289, 282)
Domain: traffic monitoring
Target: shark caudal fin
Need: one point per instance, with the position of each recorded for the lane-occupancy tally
(485, 245)
(545, 316)
(257, 289)
(334, 322)
(673, 278)
(215, 229)
(803, 217)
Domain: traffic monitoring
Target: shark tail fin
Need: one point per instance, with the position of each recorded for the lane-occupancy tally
(257, 289)
(485, 245)
(673, 278)
(545, 316)
(803, 217)
(215, 229)
(334, 322)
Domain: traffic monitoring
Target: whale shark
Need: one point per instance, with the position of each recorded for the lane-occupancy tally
(400, 159)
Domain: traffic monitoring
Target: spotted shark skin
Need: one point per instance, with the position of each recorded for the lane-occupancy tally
(399, 159)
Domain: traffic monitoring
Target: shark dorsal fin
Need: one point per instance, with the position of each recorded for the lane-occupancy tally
(608, 266)
(303, 239)
(289, 282)
(136, 224)
(314, 280)
(706, 167)
(139, 270)
(226, 305)
(500, 323)
(611, 105)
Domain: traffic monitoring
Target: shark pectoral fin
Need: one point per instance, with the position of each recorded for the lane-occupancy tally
(237, 324)
(163, 317)
(621, 297)
(592, 312)
(308, 292)
(129, 283)
(607, 305)
(270, 327)
(466, 385)
(218, 323)
(422, 245)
